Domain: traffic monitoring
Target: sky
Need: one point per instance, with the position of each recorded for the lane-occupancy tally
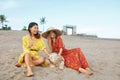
(93, 17)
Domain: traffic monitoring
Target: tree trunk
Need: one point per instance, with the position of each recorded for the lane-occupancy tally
(43, 27)
(2, 24)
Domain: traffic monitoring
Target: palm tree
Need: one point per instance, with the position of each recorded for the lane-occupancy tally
(2, 19)
(43, 21)
(24, 28)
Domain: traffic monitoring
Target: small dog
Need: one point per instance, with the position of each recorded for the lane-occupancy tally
(56, 61)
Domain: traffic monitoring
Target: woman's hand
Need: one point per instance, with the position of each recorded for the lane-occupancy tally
(48, 37)
(60, 58)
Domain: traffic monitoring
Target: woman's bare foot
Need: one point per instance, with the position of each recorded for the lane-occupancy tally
(88, 69)
(18, 65)
(29, 73)
(85, 71)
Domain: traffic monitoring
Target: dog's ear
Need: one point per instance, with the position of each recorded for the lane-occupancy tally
(50, 57)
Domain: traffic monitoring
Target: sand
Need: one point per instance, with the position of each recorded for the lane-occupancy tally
(103, 56)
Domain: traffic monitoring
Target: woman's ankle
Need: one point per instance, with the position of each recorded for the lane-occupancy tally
(82, 70)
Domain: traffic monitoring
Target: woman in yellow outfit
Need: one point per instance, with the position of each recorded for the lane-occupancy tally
(32, 43)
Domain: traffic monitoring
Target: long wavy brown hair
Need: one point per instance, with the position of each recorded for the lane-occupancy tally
(30, 26)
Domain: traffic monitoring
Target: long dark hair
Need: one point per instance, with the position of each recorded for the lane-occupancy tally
(30, 26)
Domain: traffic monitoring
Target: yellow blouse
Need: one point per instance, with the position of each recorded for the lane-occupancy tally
(38, 45)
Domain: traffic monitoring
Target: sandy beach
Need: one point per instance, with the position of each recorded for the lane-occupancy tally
(103, 56)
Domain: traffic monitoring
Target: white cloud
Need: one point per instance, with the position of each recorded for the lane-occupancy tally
(7, 4)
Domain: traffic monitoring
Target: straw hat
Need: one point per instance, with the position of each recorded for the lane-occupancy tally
(45, 34)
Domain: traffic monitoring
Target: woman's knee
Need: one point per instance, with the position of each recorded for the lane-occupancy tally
(42, 59)
(27, 55)
(38, 61)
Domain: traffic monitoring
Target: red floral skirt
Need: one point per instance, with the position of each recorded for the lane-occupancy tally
(74, 59)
